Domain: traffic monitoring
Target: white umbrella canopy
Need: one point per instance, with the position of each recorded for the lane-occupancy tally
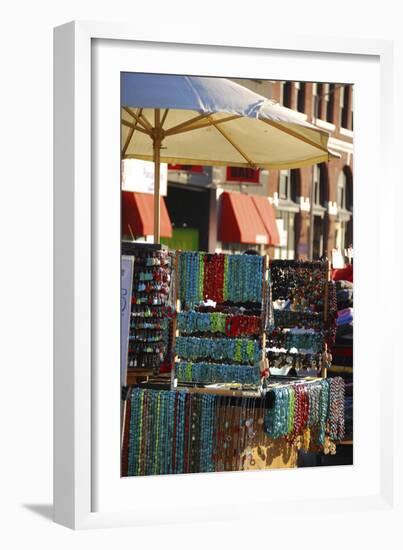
(211, 121)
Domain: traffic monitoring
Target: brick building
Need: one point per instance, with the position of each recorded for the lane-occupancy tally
(329, 106)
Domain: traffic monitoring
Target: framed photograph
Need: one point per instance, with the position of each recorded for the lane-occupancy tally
(215, 207)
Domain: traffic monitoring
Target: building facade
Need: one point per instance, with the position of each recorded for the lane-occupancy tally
(328, 186)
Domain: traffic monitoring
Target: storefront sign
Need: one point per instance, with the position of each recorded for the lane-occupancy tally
(125, 309)
(239, 174)
(194, 169)
(138, 176)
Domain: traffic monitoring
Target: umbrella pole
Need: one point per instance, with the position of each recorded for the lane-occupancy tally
(157, 152)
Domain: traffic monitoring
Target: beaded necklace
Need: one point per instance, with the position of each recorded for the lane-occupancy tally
(240, 350)
(133, 435)
(200, 289)
(336, 408)
(323, 412)
(184, 444)
(210, 373)
(225, 280)
(177, 432)
(126, 436)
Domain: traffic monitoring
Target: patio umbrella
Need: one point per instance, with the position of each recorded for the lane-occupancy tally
(211, 121)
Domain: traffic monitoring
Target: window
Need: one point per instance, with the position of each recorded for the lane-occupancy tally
(286, 226)
(345, 100)
(286, 213)
(330, 104)
(288, 185)
(344, 199)
(287, 94)
(284, 185)
(318, 98)
(344, 196)
(301, 97)
(341, 192)
(349, 190)
(320, 215)
(317, 198)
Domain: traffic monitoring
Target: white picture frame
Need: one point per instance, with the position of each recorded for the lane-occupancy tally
(88, 490)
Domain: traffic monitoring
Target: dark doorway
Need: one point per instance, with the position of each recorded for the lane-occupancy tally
(193, 215)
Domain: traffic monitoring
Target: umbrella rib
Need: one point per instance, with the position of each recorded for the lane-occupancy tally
(146, 123)
(130, 134)
(138, 118)
(203, 125)
(179, 127)
(231, 141)
(164, 116)
(137, 128)
(294, 134)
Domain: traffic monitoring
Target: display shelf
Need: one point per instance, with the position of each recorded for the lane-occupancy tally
(134, 374)
(218, 391)
(205, 276)
(289, 278)
(152, 309)
(130, 247)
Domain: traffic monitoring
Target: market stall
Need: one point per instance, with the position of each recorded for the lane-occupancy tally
(207, 321)
(220, 409)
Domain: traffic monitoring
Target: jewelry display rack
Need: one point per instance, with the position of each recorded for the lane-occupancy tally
(326, 357)
(138, 374)
(226, 389)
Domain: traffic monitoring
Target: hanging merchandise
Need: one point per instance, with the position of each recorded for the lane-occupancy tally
(210, 373)
(331, 323)
(301, 282)
(308, 340)
(174, 432)
(152, 310)
(304, 313)
(318, 405)
(222, 278)
(236, 350)
(244, 278)
(221, 412)
(190, 322)
(222, 318)
(296, 359)
(287, 318)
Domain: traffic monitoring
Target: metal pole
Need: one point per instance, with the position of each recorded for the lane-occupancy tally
(157, 152)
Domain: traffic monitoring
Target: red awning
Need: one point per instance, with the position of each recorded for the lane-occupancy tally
(268, 216)
(239, 220)
(138, 213)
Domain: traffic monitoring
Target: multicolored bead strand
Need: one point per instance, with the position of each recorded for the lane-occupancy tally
(210, 373)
